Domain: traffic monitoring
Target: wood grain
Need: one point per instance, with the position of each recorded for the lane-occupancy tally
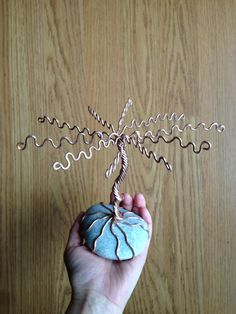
(58, 57)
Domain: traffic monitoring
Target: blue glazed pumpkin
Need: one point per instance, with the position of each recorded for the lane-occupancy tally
(111, 238)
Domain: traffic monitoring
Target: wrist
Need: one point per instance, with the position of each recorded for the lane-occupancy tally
(92, 303)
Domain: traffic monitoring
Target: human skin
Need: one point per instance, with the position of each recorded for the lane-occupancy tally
(100, 285)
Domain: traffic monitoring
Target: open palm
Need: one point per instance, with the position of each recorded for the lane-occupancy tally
(114, 280)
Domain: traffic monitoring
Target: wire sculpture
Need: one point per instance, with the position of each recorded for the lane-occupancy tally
(120, 137)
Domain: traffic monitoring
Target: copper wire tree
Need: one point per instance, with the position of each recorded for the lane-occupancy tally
(121, 136)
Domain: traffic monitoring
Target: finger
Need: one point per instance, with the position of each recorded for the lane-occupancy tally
(144, 213)
(127, 201)
(75, 239)
(112, 198)
(139, 207)
(139, 202)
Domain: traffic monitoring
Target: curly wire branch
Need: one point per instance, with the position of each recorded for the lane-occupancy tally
(218, 127)
(101, 144)
(100, 120)
(22, 145)
(56, 122)
(125, 110)
(153, 120)
(204, 145)
(113, 166)
(150, 154)
(100, 135)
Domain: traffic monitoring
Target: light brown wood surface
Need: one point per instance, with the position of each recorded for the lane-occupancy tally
(58, 57)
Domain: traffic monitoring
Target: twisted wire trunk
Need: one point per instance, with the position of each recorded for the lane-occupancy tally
(120, 178)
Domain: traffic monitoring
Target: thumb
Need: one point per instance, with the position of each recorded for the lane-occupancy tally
(74, 239)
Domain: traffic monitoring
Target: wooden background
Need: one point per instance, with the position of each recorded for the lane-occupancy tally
(58, 57)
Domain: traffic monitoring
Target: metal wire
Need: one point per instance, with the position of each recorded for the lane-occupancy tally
(121, 176)
(85, 132)
(150, 154)
(204, 145)
(57, 123)
(218, 127)
(120, 139)
(100, 120)
(153, 120)
(113, 165)
(125, 110)
(101, 144)
(23, 145)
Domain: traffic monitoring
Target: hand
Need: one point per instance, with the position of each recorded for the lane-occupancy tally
(100, 285)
